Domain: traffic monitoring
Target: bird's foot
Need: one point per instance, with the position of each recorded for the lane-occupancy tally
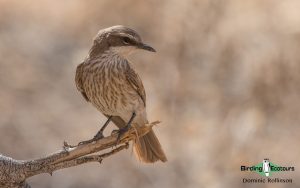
(98, 136)
(120, 133)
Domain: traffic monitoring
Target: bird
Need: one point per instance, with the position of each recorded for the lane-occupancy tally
(266, 167)
(108, 80)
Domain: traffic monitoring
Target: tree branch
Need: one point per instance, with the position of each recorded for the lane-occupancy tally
(13, 173)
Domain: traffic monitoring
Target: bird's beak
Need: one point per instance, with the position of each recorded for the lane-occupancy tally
(146, 47)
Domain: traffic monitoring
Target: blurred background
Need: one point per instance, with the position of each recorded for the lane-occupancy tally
(225, 82)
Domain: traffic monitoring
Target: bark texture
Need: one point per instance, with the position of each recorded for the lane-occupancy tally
(13, 173)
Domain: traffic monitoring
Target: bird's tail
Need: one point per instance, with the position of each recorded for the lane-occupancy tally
(148, 149)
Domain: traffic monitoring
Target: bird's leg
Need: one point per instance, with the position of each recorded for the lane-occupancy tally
(121, 131)
(99, 134)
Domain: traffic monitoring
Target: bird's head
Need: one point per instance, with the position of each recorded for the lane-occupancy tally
(120, 39)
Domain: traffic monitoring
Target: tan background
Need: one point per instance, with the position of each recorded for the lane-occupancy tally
(225, 82)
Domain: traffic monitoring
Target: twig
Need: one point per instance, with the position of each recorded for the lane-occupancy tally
(13, 173)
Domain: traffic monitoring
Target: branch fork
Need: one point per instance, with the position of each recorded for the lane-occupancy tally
(13, 173)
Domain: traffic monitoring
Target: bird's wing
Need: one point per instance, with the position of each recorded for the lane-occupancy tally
(136, 83)
(79, 81)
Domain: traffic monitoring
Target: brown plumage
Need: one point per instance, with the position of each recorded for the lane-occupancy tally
(109, 82)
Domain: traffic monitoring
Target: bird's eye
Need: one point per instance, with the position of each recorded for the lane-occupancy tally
(126, 40)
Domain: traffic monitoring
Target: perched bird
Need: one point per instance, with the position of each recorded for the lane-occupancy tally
(107, 80)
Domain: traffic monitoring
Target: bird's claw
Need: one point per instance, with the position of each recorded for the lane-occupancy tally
(98, 136)
(120, 133)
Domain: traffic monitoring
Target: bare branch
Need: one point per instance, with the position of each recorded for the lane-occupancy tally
(13, 173)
